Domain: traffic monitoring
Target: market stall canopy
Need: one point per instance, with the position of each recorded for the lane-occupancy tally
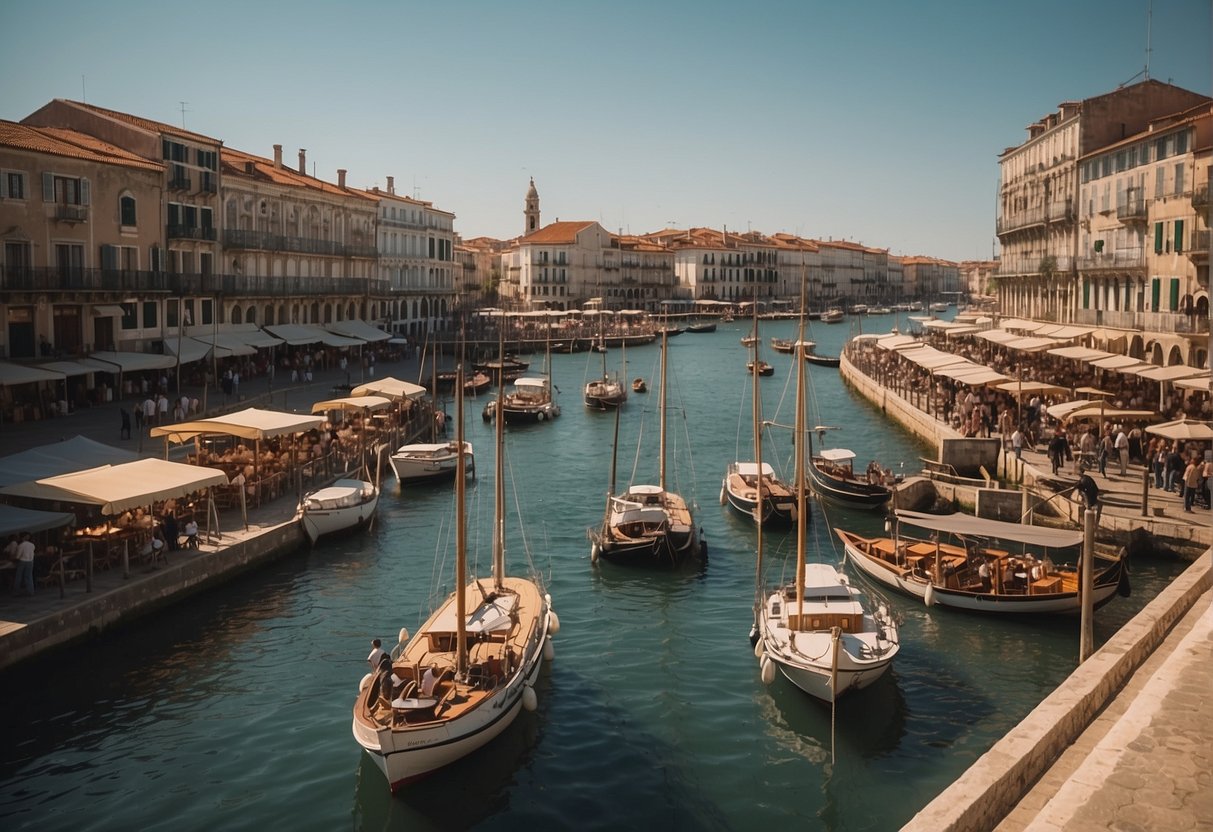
(234, 336)
(998, 336)
(392, 388)
(930, 358)
(1021, 325)
(864, 337)
(300, 334)
(352, 403)
(894, 342)
(1182, 429)
(1102, 410)
(958, 331)
(1031, 344)
(11, 374)
(116, 488)
(73, 454)
(1079, 353)
(1093, 391)
(1063, 332)
(14, 520)
(1117, 362)
(975, 376)
(250, 423)
(189, 349)
(1031, 388)
(1064, 409)
(131, 362)
(971, 526)
(79, 367)
(355, 328)
(1198, 383)
(1172, 373)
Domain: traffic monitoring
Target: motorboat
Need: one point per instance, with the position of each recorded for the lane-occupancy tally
(429, 461)
(782, 345)
(832, 473)
(939, 306)
(858, 309)
(764, 369)
(346, 505)
(639, 385)
(944, 565)
(529, 400)
(823, 360)
(833, 316)
(702, 327)
(507, 366)
(880, 310)
(468, 671)
(606, 392)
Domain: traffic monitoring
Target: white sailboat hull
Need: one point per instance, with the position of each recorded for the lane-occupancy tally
(320, 517)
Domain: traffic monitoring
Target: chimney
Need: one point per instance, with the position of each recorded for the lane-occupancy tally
(391, 184)
(303, 160)
(277, 155)
(341, 178)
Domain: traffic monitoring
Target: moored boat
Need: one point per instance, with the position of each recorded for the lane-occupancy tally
(832, 473)
(764, 369)
(346, 505)
(833, 316)
(951, 574)
(530, 400)
(639, 385)
(701, 327)
(428, 461)
(782, 345)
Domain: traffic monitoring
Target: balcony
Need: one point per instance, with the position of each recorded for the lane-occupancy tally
(1132, 259)
(1143, 321)
(1199, 251)
(1200, 197)
(188, 232)
(51, 280)
(1132, 211)
(71, 213)
(179, 183)
(263, 241)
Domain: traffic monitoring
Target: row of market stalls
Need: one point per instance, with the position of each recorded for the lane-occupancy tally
(95, 506)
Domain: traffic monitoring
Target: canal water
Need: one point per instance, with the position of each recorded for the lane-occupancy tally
(232, 709)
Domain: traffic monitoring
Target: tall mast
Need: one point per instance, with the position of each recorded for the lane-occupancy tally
(665, 349)
(801, 501)
(498, 479)
(461, 534)
(756, 409)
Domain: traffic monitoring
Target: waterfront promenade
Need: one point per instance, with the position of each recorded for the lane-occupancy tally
(1124, 742)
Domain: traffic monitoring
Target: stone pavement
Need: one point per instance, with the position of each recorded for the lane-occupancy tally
(1147, 762)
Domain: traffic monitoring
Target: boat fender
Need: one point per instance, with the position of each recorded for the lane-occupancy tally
(594, 553)
(530, 700)
(553, 622)
(549, 650)
(404, 635)
(768, 670)
(722, 499)
(759, 648)
(928, 597)
(366, 680)
(883, 612)
(539, 416)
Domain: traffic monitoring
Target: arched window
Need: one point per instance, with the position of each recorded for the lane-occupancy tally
(126, 210)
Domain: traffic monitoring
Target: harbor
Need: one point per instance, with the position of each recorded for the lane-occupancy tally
(653, 692)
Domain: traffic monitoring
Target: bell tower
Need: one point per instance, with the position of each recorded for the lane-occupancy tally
(531, 211)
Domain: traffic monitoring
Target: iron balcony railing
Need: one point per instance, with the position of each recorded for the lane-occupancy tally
(1133, 258)
(190, 232)
(71, 213)
(1145, 321)
(179, 183)
(264, 241)
(16, 279)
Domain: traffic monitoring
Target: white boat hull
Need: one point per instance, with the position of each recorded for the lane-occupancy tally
(318, 522)
(428, 465)
(816, 679)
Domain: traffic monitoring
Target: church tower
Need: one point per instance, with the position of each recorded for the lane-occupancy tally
(532, 209)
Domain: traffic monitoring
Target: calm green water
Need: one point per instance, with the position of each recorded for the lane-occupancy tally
(232, 710)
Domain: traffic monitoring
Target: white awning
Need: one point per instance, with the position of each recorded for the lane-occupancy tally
(999, 336)
(116, 488)
(300, 334)
(1175, 371)
(1079, 353)
(189, 349)
(58, 458)
(1031, 344)
(14, 520)
(1198, 383)
(80, 367)
(108, 311)
(1117, 362)
(392, 388)
(352, 403)
(11, 374)
(355, 328)
(969, 525)
(973, 376)
(250, 423)
(1021, 325)
(836, 454)
(130, 362)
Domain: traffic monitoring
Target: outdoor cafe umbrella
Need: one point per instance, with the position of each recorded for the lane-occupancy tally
(1182, 429)
(1102, 411)
(1092, 391)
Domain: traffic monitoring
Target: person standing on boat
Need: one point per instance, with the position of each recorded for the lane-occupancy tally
(983, 572)
(376, 654)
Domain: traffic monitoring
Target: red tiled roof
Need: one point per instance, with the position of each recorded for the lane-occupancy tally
(144, 123)
(58, 141)
(556, 233)
(235, 162)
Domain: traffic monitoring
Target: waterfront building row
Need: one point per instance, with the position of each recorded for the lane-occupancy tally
(1103, 219)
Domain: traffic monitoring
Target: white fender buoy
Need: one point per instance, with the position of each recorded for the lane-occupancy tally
(549, 650)
(366, 680)
(530, 700)
(593, 553)
(539, 416)
(759, 649)
(404, 635)
(883, 612)
(553, 622)
(768, 671)
(722, 497)
(928, 597)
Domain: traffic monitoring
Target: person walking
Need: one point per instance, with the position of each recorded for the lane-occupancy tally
(1017, 443)
(1105, 451)
(1191, 481)
(23, 581)
(1122, 449)
(1158, 462)
(1059, 450)
(1175, 467)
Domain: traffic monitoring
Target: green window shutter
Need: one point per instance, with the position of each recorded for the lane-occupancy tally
(1155, 293)
(1086, 293)
(1158, 238)
(1174, 294)
(1179, 236)
(1098, 245)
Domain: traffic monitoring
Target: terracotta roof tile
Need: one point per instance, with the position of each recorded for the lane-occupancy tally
(556, 233)
(58, 141)
(144, 123)
(235, 163)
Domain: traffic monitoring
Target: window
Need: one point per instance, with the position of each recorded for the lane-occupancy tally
(1179, 178)
(12, 185)
(1158, 238)
(65, 190)
(1179, 236)
(1160, 176)
(1181, 142)
(149, 314)
(172, 313)
(126, 210)
(129, 318)
(69, 258)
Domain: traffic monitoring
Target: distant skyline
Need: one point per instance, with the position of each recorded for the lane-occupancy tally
(879, 122)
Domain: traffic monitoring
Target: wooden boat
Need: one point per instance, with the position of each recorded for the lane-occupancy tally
(701, 327)
(764, 369)
(639, 385)
(945, 567)
(749, 340)
(832, 473)
(833, 316)
(468, 670)
(473, 386)
(429, 461)
(939, 306)
(818, 631)
(647, 525)
(858, 309)
(530, 400)
(669, 331)
(346, 505)
(504, 366)
(823, 360)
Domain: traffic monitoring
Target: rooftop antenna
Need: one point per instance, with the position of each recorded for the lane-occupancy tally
(183, 112)
(83, 94)
(1145, 71)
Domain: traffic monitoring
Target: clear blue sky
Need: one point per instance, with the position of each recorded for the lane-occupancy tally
(873, 121)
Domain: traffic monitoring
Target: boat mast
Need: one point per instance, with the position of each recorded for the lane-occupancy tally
(461, 554)
(756, 412)
(801, 502)
(665, 349)
(498, 479)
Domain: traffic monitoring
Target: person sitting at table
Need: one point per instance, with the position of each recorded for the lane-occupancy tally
(158, 545)
(191, 534)
(430, 680)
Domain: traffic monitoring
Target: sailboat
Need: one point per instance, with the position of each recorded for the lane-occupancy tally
(463, 677)
(529, 400)
(606, 392)
(818, 631)
(748, 485)
(647, 524)
(832, 471)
